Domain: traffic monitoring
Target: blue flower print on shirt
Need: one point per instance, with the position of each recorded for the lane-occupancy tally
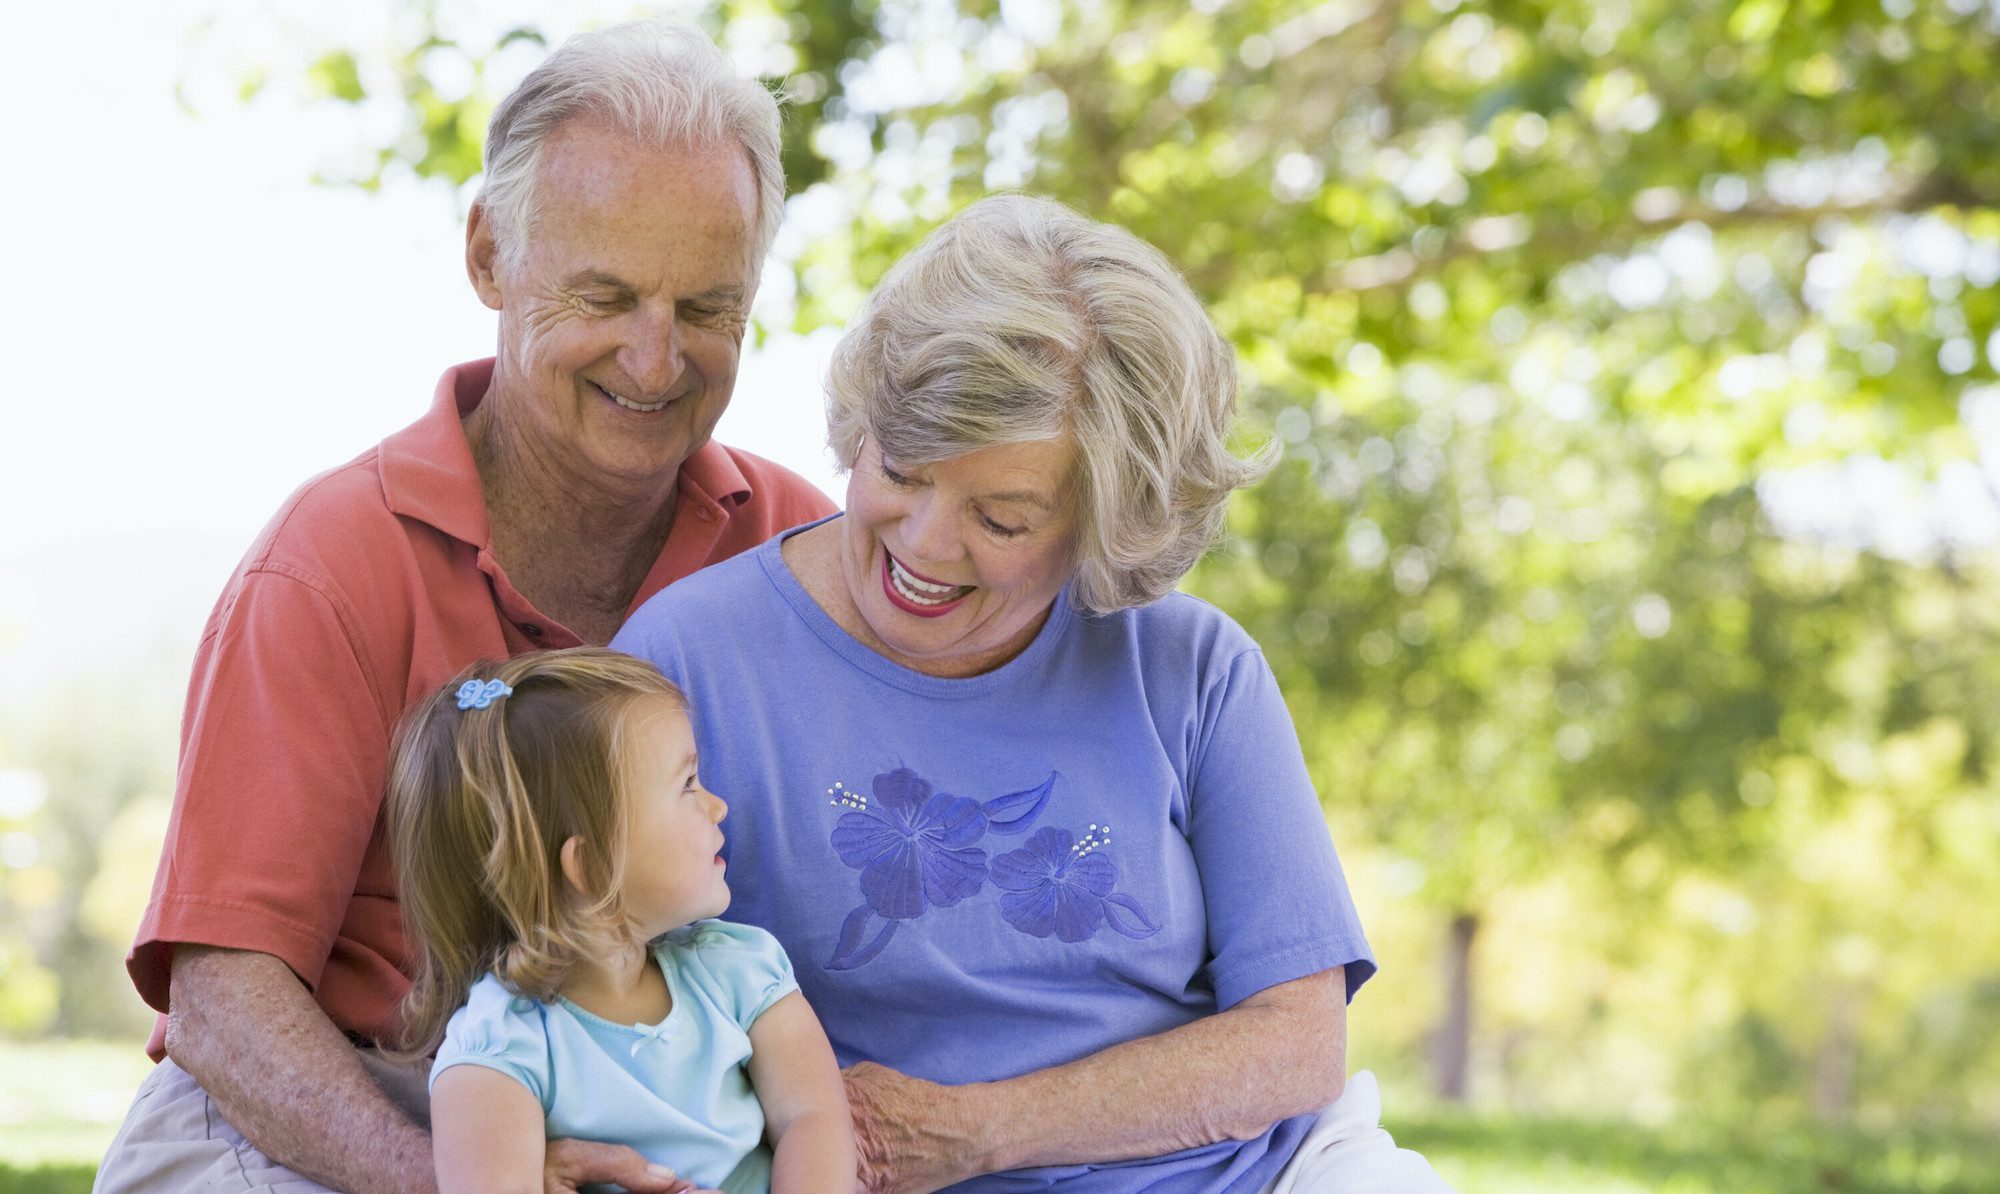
(1059, 886)
(913, 847)
(916, 849)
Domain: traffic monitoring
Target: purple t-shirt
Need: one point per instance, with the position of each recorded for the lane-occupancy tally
(1110, 836)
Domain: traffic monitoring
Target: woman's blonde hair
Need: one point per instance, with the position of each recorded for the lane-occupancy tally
(480, 803)
(1020, 321)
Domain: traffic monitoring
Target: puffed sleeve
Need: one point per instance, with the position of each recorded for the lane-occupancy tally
(501, 1031)
(746, 966)
(1278, 904)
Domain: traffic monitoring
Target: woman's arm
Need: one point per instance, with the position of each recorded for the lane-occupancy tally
(805, 1107)
(1279, 1053)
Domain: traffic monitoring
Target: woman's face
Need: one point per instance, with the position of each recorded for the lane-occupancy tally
(954, 566)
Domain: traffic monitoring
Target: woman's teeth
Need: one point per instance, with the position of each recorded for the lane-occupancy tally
(921, 592)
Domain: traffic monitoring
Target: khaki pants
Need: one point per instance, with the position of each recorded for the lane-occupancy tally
(173, 1137)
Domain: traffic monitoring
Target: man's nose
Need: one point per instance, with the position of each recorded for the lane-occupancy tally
(652, 354)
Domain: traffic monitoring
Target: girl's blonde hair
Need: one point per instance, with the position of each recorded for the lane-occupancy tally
(480, 803)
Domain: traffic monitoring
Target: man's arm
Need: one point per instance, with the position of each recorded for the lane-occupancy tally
(1282, 1052)
(245, 1028)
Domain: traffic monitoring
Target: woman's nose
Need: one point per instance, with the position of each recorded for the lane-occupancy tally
(928, 533)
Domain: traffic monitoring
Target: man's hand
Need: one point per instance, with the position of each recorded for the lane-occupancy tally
(571, 1164)
(910, 1134)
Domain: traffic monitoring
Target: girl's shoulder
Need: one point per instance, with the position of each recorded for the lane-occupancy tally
(741, 969)
(491, 1005)
(501, 1030)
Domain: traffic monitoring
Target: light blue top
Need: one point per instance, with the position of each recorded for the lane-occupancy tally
(678, 1091)
(1111, 835)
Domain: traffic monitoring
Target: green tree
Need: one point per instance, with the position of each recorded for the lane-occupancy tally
(1562, 312)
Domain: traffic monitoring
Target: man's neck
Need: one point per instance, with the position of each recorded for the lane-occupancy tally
(566, 539)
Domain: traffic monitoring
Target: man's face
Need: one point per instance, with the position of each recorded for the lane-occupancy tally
(622, 311)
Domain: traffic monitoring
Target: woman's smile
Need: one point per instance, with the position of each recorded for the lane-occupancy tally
(914, 593)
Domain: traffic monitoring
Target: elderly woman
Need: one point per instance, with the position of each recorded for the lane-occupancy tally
(1035, 830)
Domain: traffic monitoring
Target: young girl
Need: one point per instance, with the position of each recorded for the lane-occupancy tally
(558, 864)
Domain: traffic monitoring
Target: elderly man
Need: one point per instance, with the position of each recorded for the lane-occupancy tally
(632, 188)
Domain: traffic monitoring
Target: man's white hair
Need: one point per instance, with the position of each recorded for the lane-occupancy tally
(662, 83)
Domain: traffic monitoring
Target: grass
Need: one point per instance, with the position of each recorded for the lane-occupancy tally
(61, 1102)
(1552, 1156)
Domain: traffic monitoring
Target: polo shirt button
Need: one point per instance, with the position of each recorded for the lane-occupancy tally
(703, 514)
(531, 630)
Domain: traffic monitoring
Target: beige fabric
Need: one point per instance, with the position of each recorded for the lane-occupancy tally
(1347, 1152)
(173, 1137)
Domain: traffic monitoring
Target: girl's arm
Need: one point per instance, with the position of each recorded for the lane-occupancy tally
(1279, 1053)
(486, 1132)
(805, 1104)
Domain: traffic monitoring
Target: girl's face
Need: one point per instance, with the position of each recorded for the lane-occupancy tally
(673, 864)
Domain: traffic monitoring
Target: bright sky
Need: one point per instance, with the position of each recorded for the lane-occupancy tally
(194, 327)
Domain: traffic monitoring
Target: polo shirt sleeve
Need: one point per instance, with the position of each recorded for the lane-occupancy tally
(283, 757)
(503, 1032)
(1278, 905)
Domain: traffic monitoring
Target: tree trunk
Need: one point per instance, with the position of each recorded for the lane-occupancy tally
(1452, 1048)
(1833, 1067)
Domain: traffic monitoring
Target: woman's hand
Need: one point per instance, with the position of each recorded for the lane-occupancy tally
(912, 1135)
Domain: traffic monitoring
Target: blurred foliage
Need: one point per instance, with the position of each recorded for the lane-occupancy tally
(1630, 569)
(86, 779)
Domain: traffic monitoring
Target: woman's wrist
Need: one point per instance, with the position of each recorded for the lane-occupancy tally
(981, 1119)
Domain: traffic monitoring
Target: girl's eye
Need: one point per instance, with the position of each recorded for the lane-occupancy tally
(693, 780)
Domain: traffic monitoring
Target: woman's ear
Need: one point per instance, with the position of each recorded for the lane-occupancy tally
(572, 867)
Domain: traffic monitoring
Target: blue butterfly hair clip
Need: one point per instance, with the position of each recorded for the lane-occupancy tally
(477, 694)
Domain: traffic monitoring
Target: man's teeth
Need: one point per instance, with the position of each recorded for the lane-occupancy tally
(628, 404)
(922, 592)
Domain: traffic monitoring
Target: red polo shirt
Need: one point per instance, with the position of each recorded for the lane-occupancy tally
(374, 584)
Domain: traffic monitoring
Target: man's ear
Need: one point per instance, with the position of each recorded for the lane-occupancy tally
(572, 867)
(482, 256)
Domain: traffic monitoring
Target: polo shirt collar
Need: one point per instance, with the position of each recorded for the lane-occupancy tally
(428, 473)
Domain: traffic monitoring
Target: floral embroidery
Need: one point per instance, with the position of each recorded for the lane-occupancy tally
(1058, 885)
(913, 847)
(917, 849)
